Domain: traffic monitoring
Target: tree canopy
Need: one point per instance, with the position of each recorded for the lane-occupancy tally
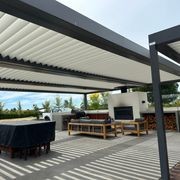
(98, 101)
(170, 90)
(94, 102)
(104, 100)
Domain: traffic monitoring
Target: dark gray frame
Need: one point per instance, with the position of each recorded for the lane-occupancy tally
(158, 42)
(165, 37)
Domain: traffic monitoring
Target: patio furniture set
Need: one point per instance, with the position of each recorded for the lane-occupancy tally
(107, 127)
(25, 138)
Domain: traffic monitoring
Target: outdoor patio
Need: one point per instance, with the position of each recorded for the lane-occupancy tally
(86, 157)
(48, 47)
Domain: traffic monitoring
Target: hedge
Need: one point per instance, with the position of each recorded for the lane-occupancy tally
(18, 114)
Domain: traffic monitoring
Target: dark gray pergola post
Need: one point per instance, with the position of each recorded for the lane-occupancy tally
(164, 165)
(85, 102)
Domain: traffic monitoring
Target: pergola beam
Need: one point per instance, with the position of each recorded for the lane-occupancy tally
(162, 40)
(39, 84)
(39, 91)
(169, 52)
(166, 36)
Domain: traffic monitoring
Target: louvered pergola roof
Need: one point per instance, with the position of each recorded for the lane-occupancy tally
(48, 47)
(168, 42)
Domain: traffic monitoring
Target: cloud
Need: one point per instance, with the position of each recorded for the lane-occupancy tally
(4, 95)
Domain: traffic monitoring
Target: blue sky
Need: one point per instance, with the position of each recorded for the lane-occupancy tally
(27, 99)
(133, 19)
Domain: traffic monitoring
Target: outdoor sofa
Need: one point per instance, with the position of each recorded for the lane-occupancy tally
(92, 126)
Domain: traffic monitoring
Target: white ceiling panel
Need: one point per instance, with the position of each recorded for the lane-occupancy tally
(24, 40)
(31, 42)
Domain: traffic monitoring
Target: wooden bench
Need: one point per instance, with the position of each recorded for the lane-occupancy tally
(136, 127)
(93, 129)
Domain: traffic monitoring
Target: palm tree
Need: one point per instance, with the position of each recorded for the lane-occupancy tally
(1, 106)
(70, 103)
(58, 102)
(66, 103)
(19, 107)
(47, 106)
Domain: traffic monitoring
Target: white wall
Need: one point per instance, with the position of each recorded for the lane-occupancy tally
(133, 99)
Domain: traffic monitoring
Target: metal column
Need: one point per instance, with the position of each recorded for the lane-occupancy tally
(85, 102)
(164, 164)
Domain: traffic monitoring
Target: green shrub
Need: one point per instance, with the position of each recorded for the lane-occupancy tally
(18, 114)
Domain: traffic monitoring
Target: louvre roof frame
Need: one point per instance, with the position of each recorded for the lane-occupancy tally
(162, 40)
(57, 17)
(61, 19)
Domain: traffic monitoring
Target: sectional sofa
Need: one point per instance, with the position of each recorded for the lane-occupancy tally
(92, 126)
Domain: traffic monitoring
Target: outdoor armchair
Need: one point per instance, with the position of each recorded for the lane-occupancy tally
(136, 126)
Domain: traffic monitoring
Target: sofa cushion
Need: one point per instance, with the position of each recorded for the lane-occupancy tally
(85, 121)
(117, 121)
(85, 117)
(75, 120)
(126, 121)
(129, 127)
(98, 121)
(139, 119)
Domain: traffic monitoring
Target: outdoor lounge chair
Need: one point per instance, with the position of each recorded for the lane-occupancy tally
(136, 126)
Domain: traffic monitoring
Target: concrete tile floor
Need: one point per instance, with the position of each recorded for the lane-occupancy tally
(92, 158)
